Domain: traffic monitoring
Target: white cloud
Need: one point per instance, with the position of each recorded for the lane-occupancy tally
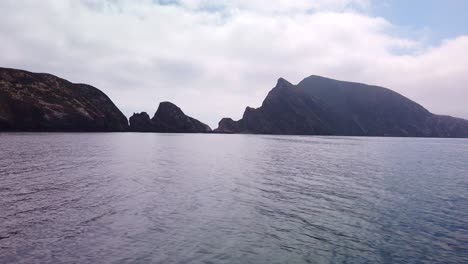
(213, 58)
(269, 6)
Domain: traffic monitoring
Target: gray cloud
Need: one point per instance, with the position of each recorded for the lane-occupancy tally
(213, 62)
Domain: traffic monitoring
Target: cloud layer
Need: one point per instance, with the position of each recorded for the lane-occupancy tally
(213, 58)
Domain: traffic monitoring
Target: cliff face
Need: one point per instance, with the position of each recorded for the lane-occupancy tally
(43, 102)
(168, 119)
(322, 106)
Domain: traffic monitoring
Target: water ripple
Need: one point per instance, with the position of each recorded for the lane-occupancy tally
(157, 198)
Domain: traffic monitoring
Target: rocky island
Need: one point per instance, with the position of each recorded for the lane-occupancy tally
(315, 106)
(322, 106)
(43, 102)
(169, 118)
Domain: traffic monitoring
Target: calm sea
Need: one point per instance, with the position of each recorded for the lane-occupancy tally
(180, 198)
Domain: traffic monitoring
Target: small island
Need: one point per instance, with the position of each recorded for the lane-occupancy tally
(169, 118)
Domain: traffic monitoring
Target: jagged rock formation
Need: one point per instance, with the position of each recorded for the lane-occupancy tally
(168, 119)
(322, 106)
(43, 102)
(140, 122)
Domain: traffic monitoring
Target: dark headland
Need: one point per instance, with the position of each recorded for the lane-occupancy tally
(315, 106)
(322, 106)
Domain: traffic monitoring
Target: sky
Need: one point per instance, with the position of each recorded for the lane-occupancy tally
(214, 58)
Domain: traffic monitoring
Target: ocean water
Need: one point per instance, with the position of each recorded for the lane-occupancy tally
(181, 198)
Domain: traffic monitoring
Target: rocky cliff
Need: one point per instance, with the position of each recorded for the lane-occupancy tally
(322, 106)
(43, 102)
(168, 119)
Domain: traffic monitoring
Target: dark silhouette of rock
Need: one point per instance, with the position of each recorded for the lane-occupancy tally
(227, 125)
(43, 102)
(141, 122)
(322, 106)
(168, 119)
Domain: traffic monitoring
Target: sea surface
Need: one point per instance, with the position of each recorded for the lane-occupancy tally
(182, 198)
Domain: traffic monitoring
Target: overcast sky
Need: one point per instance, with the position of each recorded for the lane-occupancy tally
(214, 58)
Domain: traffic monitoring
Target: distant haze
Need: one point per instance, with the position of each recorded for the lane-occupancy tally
(214, 58)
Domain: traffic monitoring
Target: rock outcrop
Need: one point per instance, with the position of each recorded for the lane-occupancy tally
(43, 102)
(168, 119)
(322, 106)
